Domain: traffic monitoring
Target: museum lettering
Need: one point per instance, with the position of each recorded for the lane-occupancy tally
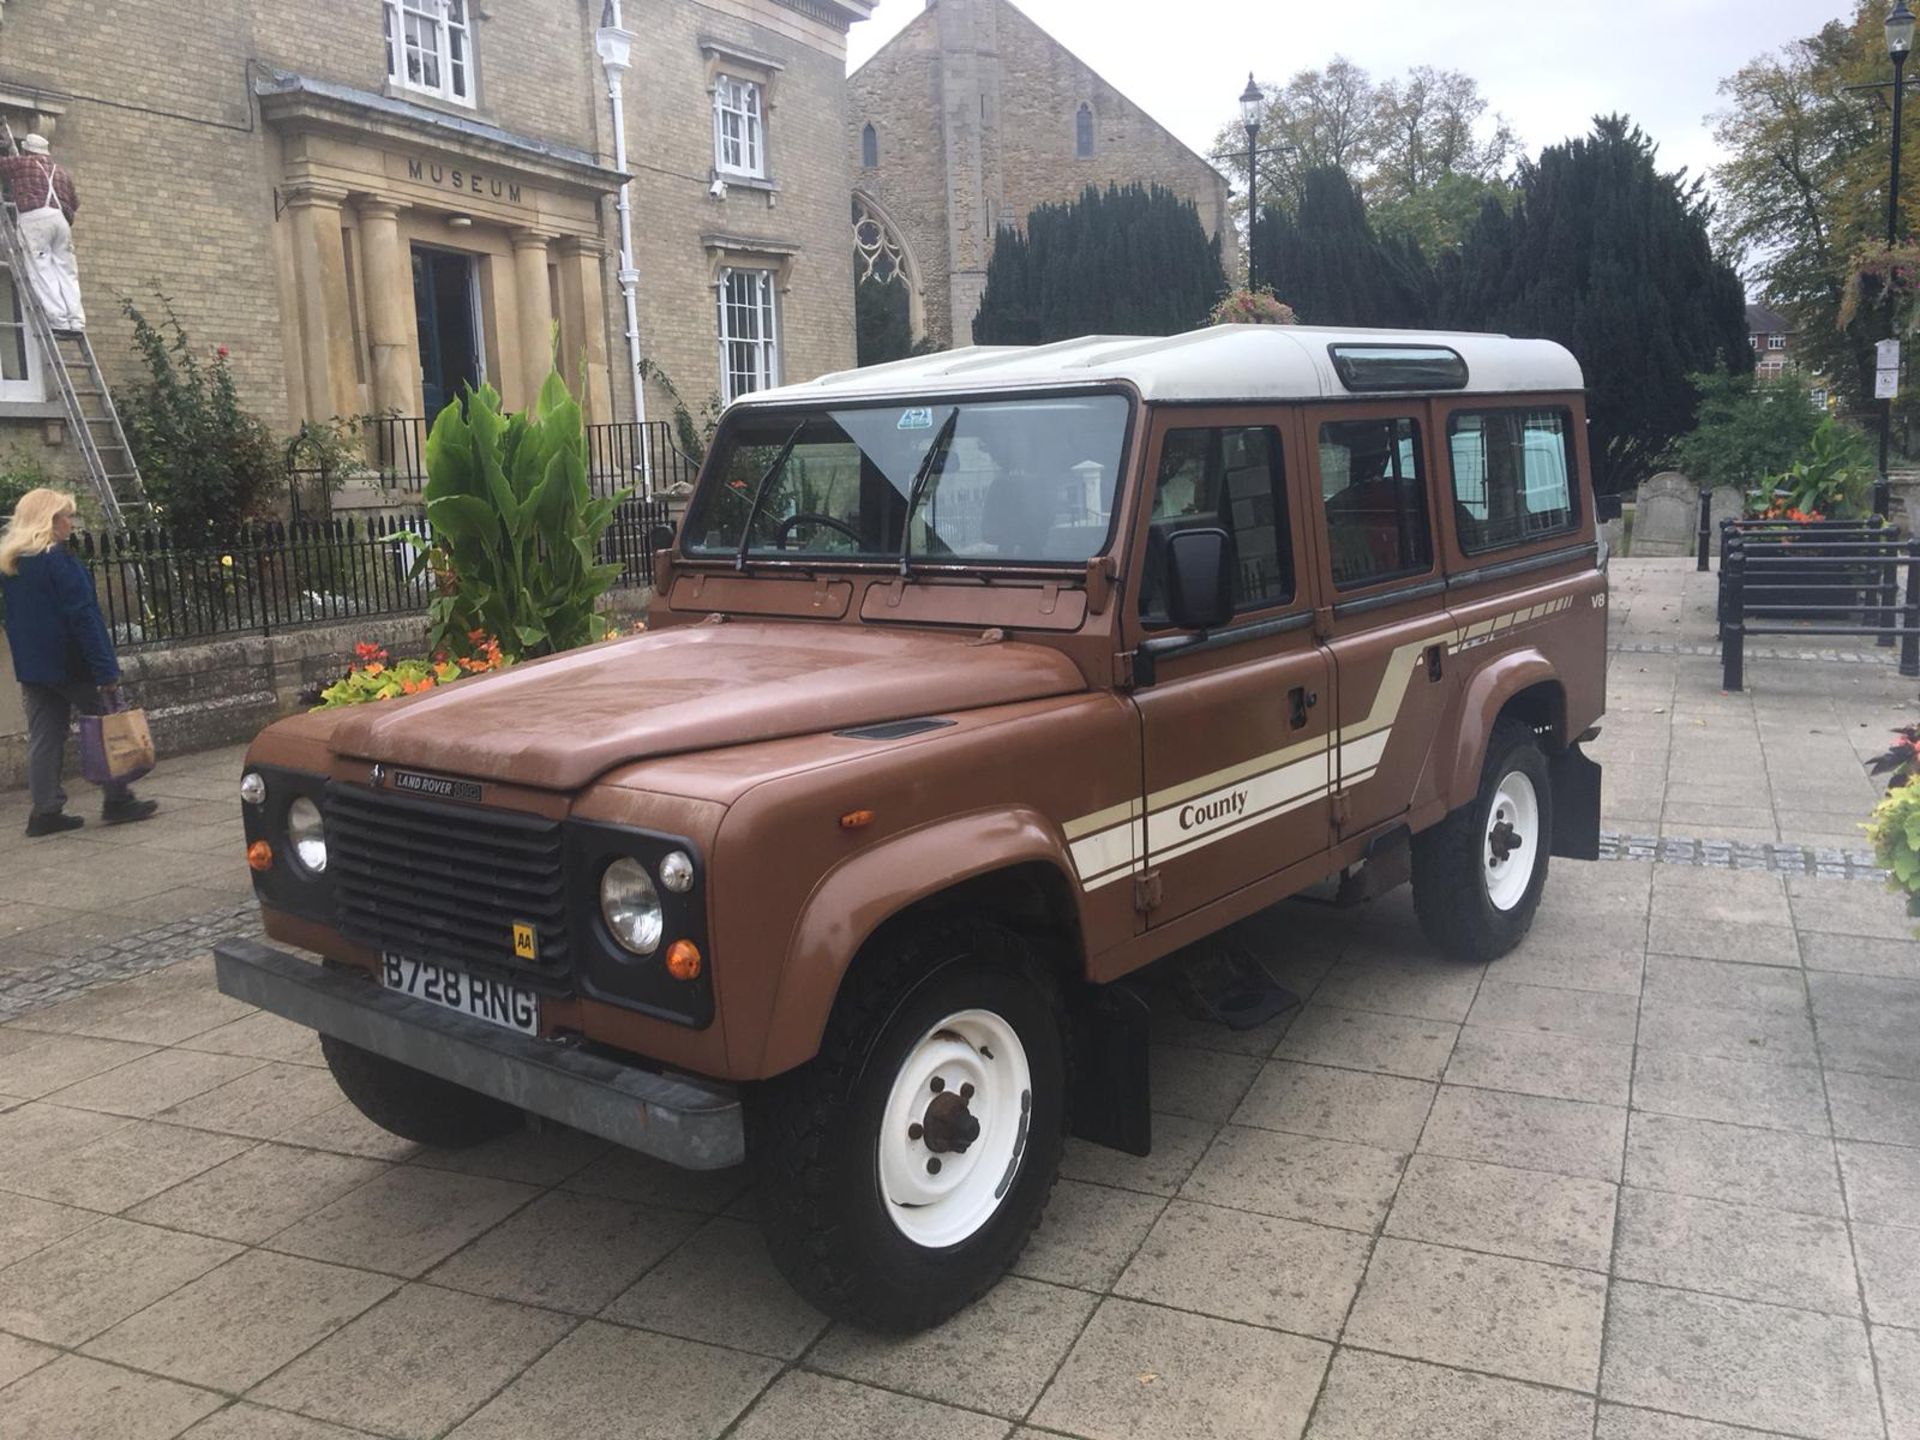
(470, 182)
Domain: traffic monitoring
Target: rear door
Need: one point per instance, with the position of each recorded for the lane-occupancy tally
(1235, 728)
(1382, 603)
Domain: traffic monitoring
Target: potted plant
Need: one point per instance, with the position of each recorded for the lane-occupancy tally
(1828, 482)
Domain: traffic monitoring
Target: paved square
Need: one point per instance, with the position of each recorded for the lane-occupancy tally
(1654, 1176)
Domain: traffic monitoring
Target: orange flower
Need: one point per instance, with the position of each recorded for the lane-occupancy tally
(376, 668)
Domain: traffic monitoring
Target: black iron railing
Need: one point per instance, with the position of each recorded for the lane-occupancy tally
(1811, 579)
(272, 576)
(617, 453)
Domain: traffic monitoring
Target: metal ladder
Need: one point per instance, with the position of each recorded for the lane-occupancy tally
(83, 389)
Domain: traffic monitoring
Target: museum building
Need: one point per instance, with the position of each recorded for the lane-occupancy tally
(369, 204)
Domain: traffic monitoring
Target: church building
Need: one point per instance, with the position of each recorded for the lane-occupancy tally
(968, 119)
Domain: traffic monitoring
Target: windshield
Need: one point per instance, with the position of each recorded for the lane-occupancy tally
(995, 480)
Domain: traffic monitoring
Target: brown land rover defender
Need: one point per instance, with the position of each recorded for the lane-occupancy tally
(975, 683)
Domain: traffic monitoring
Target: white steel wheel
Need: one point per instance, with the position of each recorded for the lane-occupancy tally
(1511, 848)
(955, 1128)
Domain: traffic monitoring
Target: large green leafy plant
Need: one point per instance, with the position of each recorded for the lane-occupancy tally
(515, 529)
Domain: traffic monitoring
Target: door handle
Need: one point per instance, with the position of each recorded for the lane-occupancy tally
(1435, 656)
(1299, 701)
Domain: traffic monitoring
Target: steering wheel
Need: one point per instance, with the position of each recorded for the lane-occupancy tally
(807, 517)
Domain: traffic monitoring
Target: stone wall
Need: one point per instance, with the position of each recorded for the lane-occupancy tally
(975, 109)
(223, 691)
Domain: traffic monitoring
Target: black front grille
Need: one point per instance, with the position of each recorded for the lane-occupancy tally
(446, 882)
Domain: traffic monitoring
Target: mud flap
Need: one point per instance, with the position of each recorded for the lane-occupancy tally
(1112, 1088)
(1576, 805)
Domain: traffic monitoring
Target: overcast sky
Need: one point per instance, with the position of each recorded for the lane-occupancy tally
(1547, 67)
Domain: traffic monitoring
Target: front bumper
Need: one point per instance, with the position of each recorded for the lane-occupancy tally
(682, 1121)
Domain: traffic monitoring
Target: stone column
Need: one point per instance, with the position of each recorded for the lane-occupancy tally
(320, 280)
(535, 307)
(583, 295)
(390, 309)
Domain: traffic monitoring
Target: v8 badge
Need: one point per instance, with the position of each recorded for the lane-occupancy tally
(526, 941)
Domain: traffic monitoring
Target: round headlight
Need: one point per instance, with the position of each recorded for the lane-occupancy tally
(631, 906)
(307, 834)
(253, 787)
(676, 872)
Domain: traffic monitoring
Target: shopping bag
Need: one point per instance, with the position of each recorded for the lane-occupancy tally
(116, 748)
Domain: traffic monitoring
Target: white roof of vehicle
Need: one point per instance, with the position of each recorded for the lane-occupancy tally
(1225, 362)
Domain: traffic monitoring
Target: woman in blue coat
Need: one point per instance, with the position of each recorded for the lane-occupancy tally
(62, 655)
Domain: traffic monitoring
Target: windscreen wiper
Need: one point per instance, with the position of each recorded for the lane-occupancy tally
(760, 496)
(934, 462)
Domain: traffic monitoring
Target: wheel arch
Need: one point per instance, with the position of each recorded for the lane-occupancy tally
(1522, 684)
(1009, 864)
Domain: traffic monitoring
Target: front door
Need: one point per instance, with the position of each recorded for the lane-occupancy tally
(445, 310)
(1385, 607)
(1236, 728)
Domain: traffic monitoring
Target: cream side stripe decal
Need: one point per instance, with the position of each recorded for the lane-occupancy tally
(1105, 845)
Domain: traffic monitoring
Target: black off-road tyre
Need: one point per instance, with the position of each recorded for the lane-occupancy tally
(415, 1105)
(1450, 889)
(814, 1132)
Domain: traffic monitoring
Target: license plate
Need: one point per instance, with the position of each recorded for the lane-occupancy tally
(495, 1001)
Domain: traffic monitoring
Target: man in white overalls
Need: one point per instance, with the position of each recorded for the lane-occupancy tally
(43, 193)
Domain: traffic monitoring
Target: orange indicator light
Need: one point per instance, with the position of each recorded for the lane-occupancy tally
(683, 960)
(856, 819)
(260, 856)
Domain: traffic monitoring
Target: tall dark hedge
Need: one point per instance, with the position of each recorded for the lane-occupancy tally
(1609, 256)
(1132, 261)
(1330, 266)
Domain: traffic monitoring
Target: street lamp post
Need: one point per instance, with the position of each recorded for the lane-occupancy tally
(1250, 102)
(1899, 41)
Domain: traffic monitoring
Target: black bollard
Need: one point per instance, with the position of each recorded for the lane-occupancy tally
(1705, 536)
(1910, 617)
(1733, 629)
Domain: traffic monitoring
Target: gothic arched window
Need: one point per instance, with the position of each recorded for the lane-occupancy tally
(1083, 132)
(869, 147)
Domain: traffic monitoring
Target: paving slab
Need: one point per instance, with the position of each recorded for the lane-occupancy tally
(1763, 1366)
(75, 1398)
(1088, 1235)
(1529, 1132)
(804, 1406)
(1516, 1318)
(1141, 1371)
(1739, 1163)
(1297, 1177)
(997, 1355)
(721, 1287)
(1257, 1269)
(1745, 1251)
(1527, 1214)
(1383, 1397)
(604, 1380)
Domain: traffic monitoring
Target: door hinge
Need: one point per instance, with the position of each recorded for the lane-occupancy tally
(1147, 893)
(1340, 812)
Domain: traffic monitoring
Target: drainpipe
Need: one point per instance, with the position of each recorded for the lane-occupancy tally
(615, 47)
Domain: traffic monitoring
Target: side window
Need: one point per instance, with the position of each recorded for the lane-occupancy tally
(1231, 477)
(1512, 476)
(869, 147)
(1083, 132)
(1376, 500)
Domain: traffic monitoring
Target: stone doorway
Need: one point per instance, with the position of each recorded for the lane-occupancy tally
(447, 309)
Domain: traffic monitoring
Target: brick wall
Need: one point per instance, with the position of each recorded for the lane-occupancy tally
(178, 175)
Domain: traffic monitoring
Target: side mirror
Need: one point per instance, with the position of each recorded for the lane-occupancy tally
(1200, 566)
(662, 535)
(1606, 507)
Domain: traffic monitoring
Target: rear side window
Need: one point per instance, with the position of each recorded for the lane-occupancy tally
(1512, 476)
(1231, 477)
(1376, 500)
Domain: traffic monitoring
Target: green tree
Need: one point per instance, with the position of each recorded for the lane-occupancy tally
(1802, 194)
(1132, 261)
(206, 463)
(1610, 256)
(1749, 430)
(883, 325)
(1329, 265)
(1423, 149)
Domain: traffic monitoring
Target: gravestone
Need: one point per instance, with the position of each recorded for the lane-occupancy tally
(1666, 515)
